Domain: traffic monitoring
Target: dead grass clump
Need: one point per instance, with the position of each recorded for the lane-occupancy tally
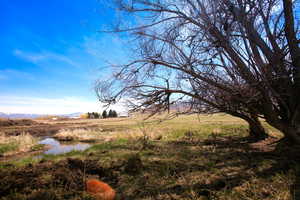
(80, 134)
(16, 144)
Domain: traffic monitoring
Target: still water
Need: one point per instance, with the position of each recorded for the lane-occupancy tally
(59, 148)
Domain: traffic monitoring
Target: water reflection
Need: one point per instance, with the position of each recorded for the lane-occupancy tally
(57, 148)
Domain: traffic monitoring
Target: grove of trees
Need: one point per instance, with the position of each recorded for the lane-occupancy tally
(110, 114)
(93, 115)
(241, 57)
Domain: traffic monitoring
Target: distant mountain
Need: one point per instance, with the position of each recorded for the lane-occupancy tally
(2, 115)
(32, 116)
(19, 115)
(77, 114)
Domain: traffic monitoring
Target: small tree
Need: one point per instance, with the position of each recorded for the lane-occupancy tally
(110, 113)
(114, 113)
(96, 115)
(104, 114)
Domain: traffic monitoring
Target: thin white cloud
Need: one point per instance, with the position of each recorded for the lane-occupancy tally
(12, 73)
(36, 58)
(106, 48)
(31, 57)
(37, 105)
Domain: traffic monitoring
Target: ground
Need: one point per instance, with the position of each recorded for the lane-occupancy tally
(190, 157)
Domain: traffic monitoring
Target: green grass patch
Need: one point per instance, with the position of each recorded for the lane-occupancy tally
(38, 147)
(71, 154)
(25, 161)
(4, 148)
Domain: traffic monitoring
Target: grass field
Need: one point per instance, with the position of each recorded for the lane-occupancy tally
(189, 157)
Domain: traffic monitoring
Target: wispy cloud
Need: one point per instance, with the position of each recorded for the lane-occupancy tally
(106, 48)
(31, 57)
(36, 58)
(11, 74)
(37, 105)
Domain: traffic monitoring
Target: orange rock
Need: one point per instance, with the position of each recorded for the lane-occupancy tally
(100, 190)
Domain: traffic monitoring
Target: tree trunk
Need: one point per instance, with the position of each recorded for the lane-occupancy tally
(291, 131)
(292, 134)
(256, 130)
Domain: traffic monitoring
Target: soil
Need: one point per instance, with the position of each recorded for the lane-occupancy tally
(61, 180)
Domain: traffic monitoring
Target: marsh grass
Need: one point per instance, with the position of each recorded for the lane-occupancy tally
(81, 134)
(190, 157)
(16, 144)
(181, 170)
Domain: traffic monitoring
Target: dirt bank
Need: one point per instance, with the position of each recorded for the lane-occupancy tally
(47, 180)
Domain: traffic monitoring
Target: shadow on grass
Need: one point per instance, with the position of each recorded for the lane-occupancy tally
(231, 165)
(188, 168)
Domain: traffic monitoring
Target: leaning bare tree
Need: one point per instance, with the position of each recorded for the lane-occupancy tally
(241, 57)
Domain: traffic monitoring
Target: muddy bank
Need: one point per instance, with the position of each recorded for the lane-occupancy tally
(62, 180)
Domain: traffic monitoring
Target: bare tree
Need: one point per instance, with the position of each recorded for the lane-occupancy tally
(241, 57)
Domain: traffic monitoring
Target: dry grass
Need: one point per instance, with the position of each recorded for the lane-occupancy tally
(190, 157)
(16, 144)
(81, 134)
(188, 168)
(157, 127)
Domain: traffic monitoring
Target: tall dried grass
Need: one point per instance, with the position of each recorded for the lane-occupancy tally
(80, 134)
(16, 144)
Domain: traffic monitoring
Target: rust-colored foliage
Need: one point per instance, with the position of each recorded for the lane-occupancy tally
(100, 190)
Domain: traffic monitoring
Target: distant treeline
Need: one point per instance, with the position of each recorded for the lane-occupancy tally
(96, 115)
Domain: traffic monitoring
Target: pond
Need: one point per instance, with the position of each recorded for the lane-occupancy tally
(60, 148)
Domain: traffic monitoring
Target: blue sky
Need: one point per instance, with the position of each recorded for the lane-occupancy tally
(51, 54)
